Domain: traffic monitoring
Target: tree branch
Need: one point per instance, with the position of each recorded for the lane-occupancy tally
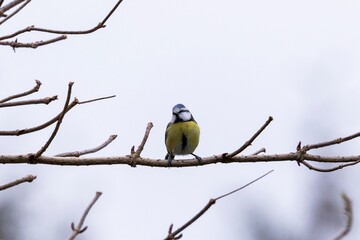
(341, 166)
(298, 157)
(248, 143)
(66, 32)
(33, 90)
(79, 228)
(97, 99)
(28, 178)
(10, 5)
(261, 150)
(126, 160)
(75, 102)
(32, 28)
(175, 234)
(15, 44)
(15, 12)
(329, 143)
(46, 101)
(92, 150)
(66, 105)
(135, 155)
(19, 132)
(349, 215)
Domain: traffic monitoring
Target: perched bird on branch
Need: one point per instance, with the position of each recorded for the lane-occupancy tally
(182, 134)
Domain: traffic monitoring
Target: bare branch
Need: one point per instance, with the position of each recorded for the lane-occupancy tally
(10, 5)
(33, 90)
(302, 152)
(91, 30)
(15, 12)
(126, 160)
(341, 166)
(75, 102)
(92, 150)
(46, 101)
(66, 105)
(135, 155)
(28, 178)
(15, 44)
(242, 187)
(174, 235)
(97, 99)
(33, 28)
(329, 143)
(349, 215)
(110, 13)
(37, 128)
(261, 150)
(79, 228)
(300, 156)
(248, 143)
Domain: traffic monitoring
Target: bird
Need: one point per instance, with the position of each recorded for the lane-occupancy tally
(182, 134)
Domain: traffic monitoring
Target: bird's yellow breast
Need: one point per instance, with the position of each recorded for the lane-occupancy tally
(182, 137)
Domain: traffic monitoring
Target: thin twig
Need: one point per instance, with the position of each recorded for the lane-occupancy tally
(79, 228)
(329, 143)
(28, 178)
(19, 132)
(341, 166)
(111, 12)
(349, 215)
(33, 90)
(66, 105)
(37, 128)
(92, 150)
(248, 143)
(15, 12)
(10, 5)
(97, 99)
(46, 101)
(261, 150)
(24, 30)
(238, 189)
(136, 154)
(173, 235)
(15, 44)
(91, 30)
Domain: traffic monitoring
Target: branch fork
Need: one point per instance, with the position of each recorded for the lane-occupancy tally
(136, 154)
(79, 228)
(63, 34)
(248, 142)
(302, 153)
(177, 233)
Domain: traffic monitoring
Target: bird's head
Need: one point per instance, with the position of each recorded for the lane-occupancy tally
(181, 114)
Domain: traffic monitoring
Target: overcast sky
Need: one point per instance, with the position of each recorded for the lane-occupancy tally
(233, 64)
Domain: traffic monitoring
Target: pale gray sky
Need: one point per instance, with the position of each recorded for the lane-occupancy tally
(232, 63)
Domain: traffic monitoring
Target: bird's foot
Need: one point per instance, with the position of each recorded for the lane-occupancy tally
(198, 158)
(169, 157)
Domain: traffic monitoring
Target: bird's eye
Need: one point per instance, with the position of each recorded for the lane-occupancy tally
(183, 110)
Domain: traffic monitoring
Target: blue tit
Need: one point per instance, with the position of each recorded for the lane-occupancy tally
(182, 134)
